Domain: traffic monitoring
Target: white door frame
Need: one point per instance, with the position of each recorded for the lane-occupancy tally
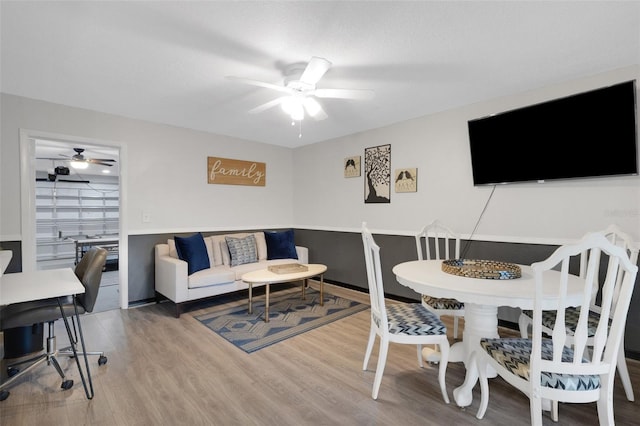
(28, 201)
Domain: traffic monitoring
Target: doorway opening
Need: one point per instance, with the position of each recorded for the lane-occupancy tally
(74, 203)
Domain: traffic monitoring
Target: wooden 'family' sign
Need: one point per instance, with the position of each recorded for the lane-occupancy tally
(227, 171)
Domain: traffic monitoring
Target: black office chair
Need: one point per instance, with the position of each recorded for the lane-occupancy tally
(89, 272)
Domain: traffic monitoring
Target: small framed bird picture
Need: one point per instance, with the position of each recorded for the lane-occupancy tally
(406, 180)
(352, 166)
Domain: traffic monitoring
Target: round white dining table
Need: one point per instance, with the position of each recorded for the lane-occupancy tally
(481, 298)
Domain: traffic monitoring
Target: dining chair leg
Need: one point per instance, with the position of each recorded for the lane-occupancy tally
(623, 372)
(382, 360)
(455, 327)
(523, 326)
(535, 406)
(367, 355)
(605, 402)
(420, 364)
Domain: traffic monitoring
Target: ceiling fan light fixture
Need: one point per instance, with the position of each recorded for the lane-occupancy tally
(79, 164)
(293, 107)
(298, 114)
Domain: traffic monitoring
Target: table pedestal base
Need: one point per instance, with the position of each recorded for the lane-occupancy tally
(479, 321)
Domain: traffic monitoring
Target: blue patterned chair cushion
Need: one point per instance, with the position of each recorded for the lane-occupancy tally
(514, 353)
(442, 303)
(571, 317)
(413, 319)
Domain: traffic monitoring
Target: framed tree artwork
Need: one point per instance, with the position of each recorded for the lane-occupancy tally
(377, 174)
(406, 180)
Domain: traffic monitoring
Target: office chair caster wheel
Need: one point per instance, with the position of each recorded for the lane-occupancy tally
(67, 384)
(102, 360)
(4, 395)
(12, 371)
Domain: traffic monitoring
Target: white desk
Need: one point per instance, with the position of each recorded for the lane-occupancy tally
(481, 299)
(47, 284)
(36, 285)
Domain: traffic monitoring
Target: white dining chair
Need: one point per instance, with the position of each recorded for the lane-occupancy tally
(443, 239)
(407, 323)
(549, 369)
(614, 234)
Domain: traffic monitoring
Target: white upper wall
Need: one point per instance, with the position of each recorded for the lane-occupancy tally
(438, 146)
(166, 175)
(166, 171)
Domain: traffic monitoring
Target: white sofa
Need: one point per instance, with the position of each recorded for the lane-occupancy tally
(173, 282)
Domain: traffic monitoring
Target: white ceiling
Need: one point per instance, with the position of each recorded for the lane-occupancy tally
(166, 61)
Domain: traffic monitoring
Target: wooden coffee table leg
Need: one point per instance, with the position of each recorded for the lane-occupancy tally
(304, 286)
(266, 304)
(321, 290)
(250, 305)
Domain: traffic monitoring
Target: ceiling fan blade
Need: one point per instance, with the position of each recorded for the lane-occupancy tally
(267, 105)
(314, 109)
(73, 181)
(259, 84)
(102, 162)
(101, 159)
(314, 71)
(363, 94)
(321, 115)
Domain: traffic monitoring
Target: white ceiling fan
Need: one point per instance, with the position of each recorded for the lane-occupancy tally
(300, 90)
(79, 161)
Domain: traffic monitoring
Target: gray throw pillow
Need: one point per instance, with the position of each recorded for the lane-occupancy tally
(242, 250)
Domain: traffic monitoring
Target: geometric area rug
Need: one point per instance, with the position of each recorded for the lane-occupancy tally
(289, 316)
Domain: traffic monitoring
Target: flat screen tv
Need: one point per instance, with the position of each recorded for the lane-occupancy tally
(591, 134)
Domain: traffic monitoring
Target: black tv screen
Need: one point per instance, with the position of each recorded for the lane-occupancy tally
(591, 134)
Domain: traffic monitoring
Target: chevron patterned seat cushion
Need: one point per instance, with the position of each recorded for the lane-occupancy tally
(514, 354)
(442, 303)
(414, 319)
(571, 317)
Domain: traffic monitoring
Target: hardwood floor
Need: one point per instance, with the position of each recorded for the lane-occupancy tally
(168, 371)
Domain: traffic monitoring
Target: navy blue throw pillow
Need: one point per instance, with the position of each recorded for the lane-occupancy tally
(280, 245)
(193, 251)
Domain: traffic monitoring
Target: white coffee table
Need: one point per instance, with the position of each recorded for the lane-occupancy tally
(266, 277)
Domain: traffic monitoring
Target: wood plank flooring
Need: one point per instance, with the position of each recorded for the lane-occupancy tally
(168, 371)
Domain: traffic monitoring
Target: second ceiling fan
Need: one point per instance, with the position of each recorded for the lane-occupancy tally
(79, 161)
(300, 90)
